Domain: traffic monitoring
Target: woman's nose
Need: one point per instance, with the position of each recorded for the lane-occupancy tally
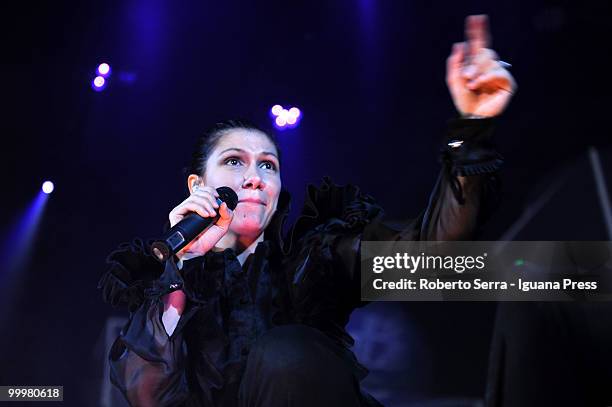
(252, 180)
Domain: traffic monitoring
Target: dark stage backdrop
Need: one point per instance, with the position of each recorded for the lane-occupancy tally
(369, 78)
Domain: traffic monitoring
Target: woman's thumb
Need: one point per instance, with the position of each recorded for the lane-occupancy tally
(225, 215)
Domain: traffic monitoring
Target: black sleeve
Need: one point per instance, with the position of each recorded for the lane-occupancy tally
(325, 242)
(149, 367)
(132, 269)
(455, 210)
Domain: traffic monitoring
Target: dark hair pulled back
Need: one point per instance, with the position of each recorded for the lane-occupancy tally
(208, 141)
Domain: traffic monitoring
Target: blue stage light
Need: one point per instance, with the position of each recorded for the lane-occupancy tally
(98, 84)
(48, 187)
(104, 69)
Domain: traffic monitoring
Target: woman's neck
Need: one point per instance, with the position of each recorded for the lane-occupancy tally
(242, 246)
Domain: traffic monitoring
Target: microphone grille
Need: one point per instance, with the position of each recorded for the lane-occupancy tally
(227, 195)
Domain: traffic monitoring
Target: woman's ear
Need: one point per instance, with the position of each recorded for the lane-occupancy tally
(192, 181)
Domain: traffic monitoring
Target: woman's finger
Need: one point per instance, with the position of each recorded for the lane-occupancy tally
(484, 61)
(493, 80)
(203, 201)
(207, 196)
(205, 188)
(477, 33)
(454, 63)
(225, 216)
(183, 209)
(205, 191)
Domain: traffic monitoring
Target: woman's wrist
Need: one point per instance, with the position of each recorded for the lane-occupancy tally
(472, 116)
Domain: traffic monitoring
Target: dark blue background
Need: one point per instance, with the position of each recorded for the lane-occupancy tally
(369, 78)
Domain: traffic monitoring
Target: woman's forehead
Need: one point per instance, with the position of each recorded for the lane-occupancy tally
(244, 139)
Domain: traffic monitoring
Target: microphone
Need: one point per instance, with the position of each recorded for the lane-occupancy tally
(181, 234)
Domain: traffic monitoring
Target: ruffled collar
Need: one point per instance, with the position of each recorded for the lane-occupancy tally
(273, 234)
(346, 203)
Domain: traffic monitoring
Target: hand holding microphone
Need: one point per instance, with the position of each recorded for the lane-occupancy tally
(197, 223)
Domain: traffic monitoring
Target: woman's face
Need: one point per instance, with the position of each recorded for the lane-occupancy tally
(247, 162)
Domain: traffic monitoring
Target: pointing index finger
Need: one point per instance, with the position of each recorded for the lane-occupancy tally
(477, 33)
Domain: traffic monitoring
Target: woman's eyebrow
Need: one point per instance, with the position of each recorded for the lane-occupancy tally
(243, 151)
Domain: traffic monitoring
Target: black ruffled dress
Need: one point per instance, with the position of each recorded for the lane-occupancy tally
(309, 277)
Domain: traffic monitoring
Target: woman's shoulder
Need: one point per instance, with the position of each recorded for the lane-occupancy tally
(331, 209)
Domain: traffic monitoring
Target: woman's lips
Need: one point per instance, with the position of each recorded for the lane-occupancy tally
(252, 201)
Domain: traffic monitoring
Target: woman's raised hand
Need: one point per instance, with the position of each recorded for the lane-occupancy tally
(203, 202)
(479, 83)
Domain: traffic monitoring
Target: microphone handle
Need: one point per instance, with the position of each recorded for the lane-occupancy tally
(181, 234)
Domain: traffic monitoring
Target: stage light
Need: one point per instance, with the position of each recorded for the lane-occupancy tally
(276, 109)
(284, 118)
(98, 83)
(17, 249)
(104, 69)
(293, 115)
(295, 112)
(48, 187)
(280, 121)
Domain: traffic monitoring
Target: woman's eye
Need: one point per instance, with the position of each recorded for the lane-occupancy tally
(232, 161)
(269, 165)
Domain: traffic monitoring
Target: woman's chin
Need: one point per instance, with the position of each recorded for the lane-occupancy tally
(247, 226)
